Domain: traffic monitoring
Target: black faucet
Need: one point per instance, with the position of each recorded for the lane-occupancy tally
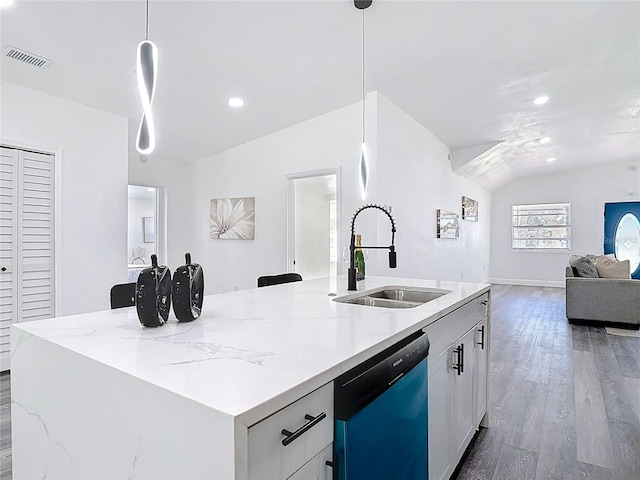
(351, 275)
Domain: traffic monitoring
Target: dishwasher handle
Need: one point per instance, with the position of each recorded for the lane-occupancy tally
(291, 436)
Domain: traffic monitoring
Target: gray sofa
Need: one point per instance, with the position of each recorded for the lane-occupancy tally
(611, 301)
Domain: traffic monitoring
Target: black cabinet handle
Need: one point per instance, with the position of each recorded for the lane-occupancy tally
(4, 269)
(459, 360)
(481, 343)
(485, 302)
(291, 436)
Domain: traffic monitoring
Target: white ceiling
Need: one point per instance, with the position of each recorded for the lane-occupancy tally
(467, 71)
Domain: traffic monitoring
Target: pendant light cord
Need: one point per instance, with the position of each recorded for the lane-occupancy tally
(147, 23)
(363, 84)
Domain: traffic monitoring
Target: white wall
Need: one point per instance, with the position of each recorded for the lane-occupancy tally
(259, 169)
(410, 170)
(92, 201)
(415, 178)
(587, 189)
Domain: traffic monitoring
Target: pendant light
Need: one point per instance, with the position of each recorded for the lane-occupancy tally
(147, 67)
(364, 160)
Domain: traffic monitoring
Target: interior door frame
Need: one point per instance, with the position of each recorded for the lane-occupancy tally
(160, 215)
(57, 212)
(291, 231)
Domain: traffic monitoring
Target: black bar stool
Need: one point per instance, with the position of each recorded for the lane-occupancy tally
(123, 295)
(268, 280)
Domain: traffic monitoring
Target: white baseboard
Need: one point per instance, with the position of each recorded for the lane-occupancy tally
(528, 283)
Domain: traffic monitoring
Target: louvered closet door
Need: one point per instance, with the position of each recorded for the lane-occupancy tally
(27, 234)
(35, 237)
(8, 245)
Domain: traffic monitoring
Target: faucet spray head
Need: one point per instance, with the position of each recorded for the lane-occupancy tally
(392, 257)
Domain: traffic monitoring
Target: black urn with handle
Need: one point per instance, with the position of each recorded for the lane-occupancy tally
(188, 290)
(153, 294)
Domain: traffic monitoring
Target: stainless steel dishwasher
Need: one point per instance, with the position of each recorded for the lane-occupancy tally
(381, 415)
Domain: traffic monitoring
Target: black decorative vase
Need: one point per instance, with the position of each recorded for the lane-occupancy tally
(153, 294)
(188, 291)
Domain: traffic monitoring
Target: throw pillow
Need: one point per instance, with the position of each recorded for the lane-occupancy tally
(584, 266)
(608, 268)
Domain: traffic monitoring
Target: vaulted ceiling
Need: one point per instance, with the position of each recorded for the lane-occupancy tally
(468, 71)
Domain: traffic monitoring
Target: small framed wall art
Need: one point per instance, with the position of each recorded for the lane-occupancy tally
(233, 218)
(149, 229)
(469, 209)
(447, 225)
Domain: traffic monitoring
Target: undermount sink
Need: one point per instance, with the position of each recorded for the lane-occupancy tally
(393, 297)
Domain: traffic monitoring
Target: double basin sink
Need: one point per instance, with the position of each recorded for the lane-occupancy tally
(393, 296)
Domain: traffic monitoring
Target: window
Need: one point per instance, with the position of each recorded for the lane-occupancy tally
(546, 226)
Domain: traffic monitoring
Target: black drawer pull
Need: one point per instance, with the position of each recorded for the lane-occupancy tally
(459, 366)
(481, 343)
(291, 436)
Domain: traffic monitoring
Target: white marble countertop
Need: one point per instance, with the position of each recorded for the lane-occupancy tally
(254, 351)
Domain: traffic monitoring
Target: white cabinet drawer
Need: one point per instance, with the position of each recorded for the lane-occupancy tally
(316, 468)
(444, 331)
(269, 459)
(483, 306)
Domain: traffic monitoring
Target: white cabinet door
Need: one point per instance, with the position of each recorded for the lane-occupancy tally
(463, 401)
(480, 373)
(440, 416)
(316, 468)
(457, 396)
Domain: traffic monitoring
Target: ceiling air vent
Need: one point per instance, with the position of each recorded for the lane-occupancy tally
(27, 57)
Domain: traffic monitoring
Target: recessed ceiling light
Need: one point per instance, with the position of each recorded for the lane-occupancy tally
(541, 100)
(151, 189)
(5, 3)
(544, 140)
(551, 159)
(236, 102)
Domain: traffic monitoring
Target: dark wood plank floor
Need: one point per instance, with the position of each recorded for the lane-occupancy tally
(565, 399)
(5, 427)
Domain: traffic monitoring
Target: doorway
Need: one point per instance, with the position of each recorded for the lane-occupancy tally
(313, 224)
(622, 233)
(142, 231)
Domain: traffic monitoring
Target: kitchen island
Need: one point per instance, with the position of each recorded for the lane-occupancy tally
(99, 396)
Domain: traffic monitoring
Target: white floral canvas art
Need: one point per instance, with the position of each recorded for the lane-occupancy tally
(233, 218)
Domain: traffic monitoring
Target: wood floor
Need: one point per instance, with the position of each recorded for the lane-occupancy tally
(565, 399)
(5, 427)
